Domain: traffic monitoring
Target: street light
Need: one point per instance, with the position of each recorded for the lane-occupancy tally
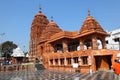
(24, 53)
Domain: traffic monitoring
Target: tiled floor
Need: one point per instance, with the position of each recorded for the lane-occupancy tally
(55, 75)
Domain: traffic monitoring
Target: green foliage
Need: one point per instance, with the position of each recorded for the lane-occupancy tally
(25, 53)
(7, 48)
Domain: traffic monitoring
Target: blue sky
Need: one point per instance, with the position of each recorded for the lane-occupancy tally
(16, 16)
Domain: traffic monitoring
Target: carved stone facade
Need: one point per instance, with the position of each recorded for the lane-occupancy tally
(38, 25)
(64, 50)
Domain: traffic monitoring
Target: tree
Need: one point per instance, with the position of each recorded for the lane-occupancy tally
(7, 48)
(26, 58)
(25, 53)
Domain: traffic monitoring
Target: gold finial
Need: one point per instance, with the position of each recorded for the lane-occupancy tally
(40, 9)
(51, 18)
(88, 12)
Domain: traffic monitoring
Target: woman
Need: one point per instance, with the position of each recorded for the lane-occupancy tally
(116, 68)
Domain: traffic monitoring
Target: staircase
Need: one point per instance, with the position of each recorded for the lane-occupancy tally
(39, 66)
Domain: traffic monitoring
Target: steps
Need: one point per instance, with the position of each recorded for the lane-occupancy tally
(39, 66)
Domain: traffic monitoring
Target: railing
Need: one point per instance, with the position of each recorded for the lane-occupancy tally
(17, 67)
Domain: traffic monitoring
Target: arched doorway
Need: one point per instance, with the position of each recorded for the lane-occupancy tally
(103, 62)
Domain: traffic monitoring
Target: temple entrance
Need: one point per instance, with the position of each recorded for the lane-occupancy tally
(103, 62)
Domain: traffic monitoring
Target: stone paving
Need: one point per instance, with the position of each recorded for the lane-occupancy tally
(55, 75)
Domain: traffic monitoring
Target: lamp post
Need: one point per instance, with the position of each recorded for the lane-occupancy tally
(24, 53)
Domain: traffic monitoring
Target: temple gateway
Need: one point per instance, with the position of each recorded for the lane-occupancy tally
(64, 50)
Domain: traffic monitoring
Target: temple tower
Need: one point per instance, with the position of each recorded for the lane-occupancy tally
(43, 45)
(38, 25)
(91, 33)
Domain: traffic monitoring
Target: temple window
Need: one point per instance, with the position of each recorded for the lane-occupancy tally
(51, 62)
(73, 46)
(107, 42)
(87, 44)
(56, 61)
(75, 59)
(84, 60)
(116, 39)
(62, 61)
(78, 48)
(59, 48)
(68, 60)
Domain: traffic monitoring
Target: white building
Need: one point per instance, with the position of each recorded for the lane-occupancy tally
(18, 52)
(113, 41)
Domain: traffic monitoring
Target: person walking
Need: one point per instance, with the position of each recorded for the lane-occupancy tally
(116, 67)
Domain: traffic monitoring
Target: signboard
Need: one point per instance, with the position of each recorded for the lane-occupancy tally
(75, 65)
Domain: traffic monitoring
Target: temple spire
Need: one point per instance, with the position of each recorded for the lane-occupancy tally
(51, 18)
(88, 12)
(40, 9)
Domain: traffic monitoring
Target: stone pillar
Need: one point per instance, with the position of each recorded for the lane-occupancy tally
(81, 45)
(93, 66)
(49, 62)
(65, 46)
(89, 60)
(79, 61)
(65, 61)
(13, 60)
(51, 48)
(104, 44)
(94, 43)
(59, 62)
(48, 48)
(72, 61)
(45, 48)
(53, 61)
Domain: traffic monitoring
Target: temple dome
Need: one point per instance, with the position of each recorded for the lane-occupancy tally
(38, 25)
(50, 30)
(40, 18)
(53, 24)
(91, 25)
(40, 14)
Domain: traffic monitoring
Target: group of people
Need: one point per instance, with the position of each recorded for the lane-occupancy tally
(116, 67)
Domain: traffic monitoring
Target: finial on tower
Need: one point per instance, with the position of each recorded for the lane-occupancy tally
(88, 12)
(40, 9)
(51, 18)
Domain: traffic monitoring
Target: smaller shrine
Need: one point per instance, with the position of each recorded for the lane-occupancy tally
(17, 56)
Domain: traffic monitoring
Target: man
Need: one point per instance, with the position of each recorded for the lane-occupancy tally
(116, 68)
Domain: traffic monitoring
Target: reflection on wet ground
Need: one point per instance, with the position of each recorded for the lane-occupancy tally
(55, 75)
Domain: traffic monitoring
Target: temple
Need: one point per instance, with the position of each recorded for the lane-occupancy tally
(64, 50)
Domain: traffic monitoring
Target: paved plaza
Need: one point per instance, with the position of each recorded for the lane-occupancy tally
(55, 75)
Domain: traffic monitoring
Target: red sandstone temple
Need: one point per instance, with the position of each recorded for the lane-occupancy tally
(65, 50)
